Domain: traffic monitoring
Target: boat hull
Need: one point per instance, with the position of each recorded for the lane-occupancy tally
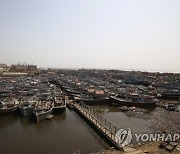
(94, 101)
(118, 102)
(26, 112)
(42, 116)
(8, 110)
(59, 109)
(70, 106)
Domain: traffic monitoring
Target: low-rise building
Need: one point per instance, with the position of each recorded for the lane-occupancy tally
(32, 67)
(3, 66)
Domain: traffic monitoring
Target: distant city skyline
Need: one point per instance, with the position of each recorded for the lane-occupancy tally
(103, 34)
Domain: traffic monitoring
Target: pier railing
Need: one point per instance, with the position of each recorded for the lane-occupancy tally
(102, 124)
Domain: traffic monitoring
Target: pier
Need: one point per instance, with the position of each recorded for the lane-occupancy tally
(107, 128)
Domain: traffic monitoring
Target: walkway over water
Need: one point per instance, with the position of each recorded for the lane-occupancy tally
(107, 128)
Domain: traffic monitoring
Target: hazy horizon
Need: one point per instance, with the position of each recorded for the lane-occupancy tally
(106, 34)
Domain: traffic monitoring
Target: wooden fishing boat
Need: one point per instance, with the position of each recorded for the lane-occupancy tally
(26, 108)
(59, 104)
(8, 107)
(42, 110)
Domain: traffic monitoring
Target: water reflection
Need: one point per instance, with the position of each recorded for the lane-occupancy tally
(64, 133)
(93, 132)
(119, 118)
(8, 120)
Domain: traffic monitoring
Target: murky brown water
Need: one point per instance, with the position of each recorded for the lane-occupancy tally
(64, 133)
(113, 114)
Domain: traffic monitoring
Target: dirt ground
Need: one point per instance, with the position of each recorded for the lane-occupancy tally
(159, 120)
(151, 148)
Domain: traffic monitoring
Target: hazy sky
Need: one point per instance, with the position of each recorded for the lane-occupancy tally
(120, 34)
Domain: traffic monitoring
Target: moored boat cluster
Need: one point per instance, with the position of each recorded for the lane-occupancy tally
(42, 94)
(31, 96)
(121, 88)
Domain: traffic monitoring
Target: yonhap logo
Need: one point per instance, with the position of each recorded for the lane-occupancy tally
(123, 137)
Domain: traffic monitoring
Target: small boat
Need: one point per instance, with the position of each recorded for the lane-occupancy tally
(8, 107)
(171, 107)
(123, 108)
(121, 101)
(145, 102)
(169, 94)
(70, 104)
(59, 104)
(26, 108)
(42, 110)
(91, 99)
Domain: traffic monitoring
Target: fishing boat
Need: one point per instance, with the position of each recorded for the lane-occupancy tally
(42, 110)
(116, 100)
(169, 94)
(145, 102)
(9, 106)
(70, 104)
(59, 104)
(123, 108)
(92, 99)
(26, 108)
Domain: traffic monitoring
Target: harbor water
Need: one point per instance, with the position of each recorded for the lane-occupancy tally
(64, 133)
(121, 120)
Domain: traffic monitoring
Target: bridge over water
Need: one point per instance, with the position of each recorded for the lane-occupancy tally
(107, 128)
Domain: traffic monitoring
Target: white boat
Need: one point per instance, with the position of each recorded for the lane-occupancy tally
(43, 110)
